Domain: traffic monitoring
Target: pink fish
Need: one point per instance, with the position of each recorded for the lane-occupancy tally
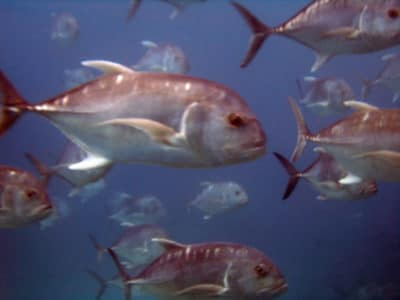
(152, 118)
(23, 198)
(326, 174)
(207, 270)
(333, 27)
(367, 142)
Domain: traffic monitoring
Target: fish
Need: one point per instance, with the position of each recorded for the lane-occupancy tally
(179, 7)
(219, 197)
(367, 142)
(23, 198)
(65, 28)
(212, 269)
(325, 174)
(166, 58)
(388, 77)
(332, 27)
(134, 245)
(151, 118)
(326, 96)
(130, 211)
(104, 283)
(60, 210)
(76, 77)
(82, 181)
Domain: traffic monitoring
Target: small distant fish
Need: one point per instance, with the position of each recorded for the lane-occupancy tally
(134, 246)
(165, 58)
(142, 117)
(326, 175)
(217, 269)
(23, 198)
(333, 27)
(217, 198)
(131, 211)
(76, 77)
(367, 142)
(86, 183)
(326, 95)
(388, 77)
(179, 7)
(65, 28)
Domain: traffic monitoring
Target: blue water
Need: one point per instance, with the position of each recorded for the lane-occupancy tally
(325, 249)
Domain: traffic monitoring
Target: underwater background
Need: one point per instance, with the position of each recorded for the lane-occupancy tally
(326, 249)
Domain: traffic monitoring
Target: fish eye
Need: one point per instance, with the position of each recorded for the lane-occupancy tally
(30, 194)
(236, 120)
(393, 13)
(261, 270)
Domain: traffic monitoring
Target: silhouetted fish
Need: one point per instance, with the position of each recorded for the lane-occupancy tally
(333, 27)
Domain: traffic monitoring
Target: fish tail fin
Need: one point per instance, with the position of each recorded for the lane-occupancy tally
(366, 87)
(44, 170)
(102, 282)
(123, 273)
(135, 4)
(100, 249)
(260, 32)
(293, 175)
(303, 133)
(11, 103)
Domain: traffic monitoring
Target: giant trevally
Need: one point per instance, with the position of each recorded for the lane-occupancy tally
(333, 27)
(155, 118)
(366, 143)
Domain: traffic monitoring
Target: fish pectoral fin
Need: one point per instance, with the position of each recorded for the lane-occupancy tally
(155, 130)
(168, 244)
(346, 32)
(205, 289)
(92, 161)
(382, 158)
(320, 60)
(359, 105)
(107, 67)
(149, 44)
(318, 104)
(350, 179)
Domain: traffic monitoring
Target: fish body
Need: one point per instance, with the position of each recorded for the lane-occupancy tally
(131, 211)
(65, 28)
(219, 197)
(333, 27)
(153, 118)
(325, 174)
(388, 77)
(166, 58)
(23, 198)
(76, 77)
(367, 142)
(179, 7)
(327, 95)
(217, 269)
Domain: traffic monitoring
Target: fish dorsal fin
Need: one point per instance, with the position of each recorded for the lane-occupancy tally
(168, 244)
(388, 57)
(108, 67)
(321, 59)
(149, 44)
(359, 106)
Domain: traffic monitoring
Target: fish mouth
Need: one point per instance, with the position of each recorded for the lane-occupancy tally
(275, 290)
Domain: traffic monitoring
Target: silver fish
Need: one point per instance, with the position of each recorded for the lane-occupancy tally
(333, 27)
(65, 28)
(367, 142)
(23, 198)
(217, 269)
(179, 7)
(388, 77)
(326, 95)
(326, 175)
(154, 118)
(219, 197)
(166, 58)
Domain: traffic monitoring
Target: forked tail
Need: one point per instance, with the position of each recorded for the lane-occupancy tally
(293, 175)
(135, 4)
(260, 32)
(100, 249)
(123, 273)
(303, 133)
(102, 282)
(43, 170)
(11, 103)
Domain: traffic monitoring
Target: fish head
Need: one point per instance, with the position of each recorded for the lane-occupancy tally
(23, 205)
(260, 277)
(236, 193)
(232, 134)
(383, 20)
(175, 60)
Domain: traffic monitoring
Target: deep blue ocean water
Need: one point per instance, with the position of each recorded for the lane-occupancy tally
(326, 249)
